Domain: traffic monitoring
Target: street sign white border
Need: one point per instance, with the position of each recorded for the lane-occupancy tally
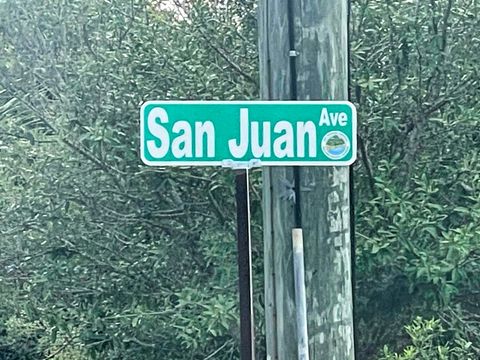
(189, 163)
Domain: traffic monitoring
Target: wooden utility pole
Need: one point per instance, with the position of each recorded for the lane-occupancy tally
(304, 56)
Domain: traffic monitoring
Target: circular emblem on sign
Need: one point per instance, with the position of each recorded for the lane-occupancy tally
(335, 145)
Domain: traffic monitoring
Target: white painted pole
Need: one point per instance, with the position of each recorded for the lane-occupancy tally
(300, 297)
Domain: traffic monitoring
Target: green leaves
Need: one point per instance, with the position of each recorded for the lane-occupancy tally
(106, 246)
(429, 341)
(417, 186)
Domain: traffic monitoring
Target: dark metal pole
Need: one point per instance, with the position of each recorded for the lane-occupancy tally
(247, 336)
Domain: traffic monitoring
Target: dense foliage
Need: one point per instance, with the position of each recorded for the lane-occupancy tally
(99, 253)
(104, 258)
(416, 83)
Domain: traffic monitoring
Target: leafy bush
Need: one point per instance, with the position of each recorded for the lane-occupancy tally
(130, 261)
(430, 342)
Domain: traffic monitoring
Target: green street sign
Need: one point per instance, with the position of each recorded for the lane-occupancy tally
(225, 133)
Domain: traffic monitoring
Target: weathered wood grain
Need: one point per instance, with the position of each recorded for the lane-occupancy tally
(321, 42)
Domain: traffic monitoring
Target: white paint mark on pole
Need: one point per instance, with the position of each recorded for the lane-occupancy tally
(300, 297)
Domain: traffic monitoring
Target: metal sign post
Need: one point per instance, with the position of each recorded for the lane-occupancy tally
(241, 135)
(247, 337)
